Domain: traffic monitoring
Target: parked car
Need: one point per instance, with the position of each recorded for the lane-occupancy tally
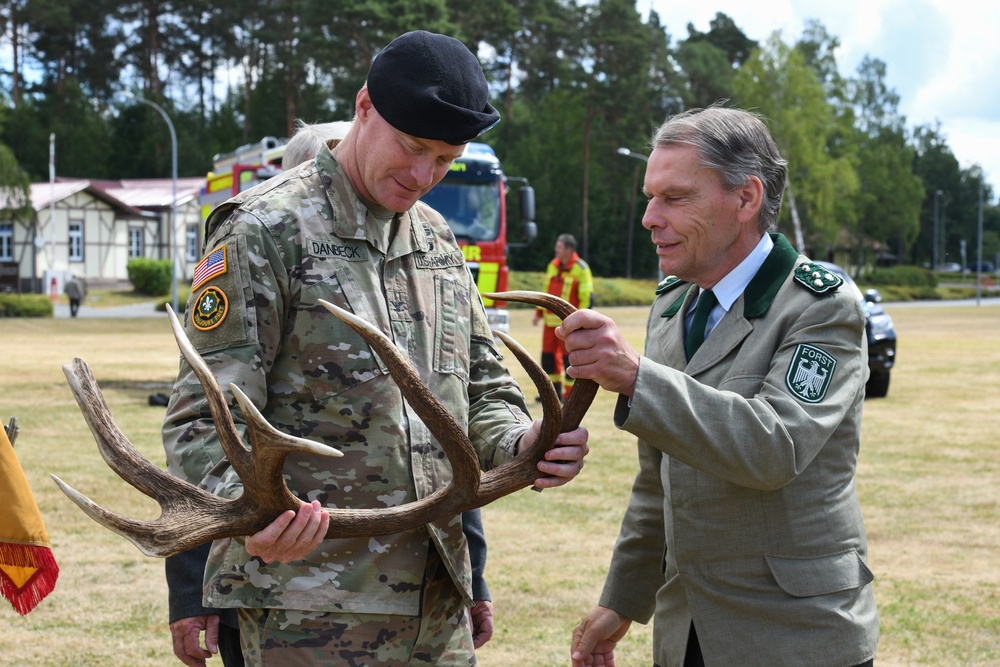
(984, 267)
(950, 267)
(881, 335)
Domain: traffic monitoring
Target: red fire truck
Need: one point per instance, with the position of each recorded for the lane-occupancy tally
(471, 197)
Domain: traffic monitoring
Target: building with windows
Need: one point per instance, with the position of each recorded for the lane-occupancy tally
(93, 228)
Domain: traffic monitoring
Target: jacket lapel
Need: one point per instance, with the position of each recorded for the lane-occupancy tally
(736, 325)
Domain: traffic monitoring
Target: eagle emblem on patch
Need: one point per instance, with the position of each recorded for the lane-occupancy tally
(210, 309)
(810, 373)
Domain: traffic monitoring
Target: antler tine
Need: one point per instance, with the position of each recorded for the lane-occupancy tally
(153, 538)
(120, 455)
(268, 491)
(229, 437)
(523, 469)
(584, 391)
(163, 537)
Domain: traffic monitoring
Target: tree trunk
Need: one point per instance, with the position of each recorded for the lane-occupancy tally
(15, 70)
(800, 243)
(585, 232)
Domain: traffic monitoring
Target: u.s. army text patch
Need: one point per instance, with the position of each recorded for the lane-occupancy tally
(810, 373)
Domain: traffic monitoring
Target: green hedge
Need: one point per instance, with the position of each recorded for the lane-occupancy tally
(25, 305)
(607, 291)
(901, 276)
(150, 276)
(183, 294)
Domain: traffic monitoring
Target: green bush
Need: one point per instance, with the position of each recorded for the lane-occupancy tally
(183, 294)
(902, 276)
(608, 292)
(25, 305)
(150, 276)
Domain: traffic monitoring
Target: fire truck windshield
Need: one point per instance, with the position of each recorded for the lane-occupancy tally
(471, 209)
(469, 195)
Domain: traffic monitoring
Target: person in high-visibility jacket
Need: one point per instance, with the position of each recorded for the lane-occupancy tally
(569, 277)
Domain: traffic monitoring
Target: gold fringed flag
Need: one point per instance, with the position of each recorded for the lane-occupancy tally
(28, 571)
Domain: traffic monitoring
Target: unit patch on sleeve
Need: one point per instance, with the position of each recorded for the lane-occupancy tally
(210, 309)
(810, 373)
(213, 264)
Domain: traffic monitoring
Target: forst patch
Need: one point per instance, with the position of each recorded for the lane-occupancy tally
(210, 310)
(810, 373)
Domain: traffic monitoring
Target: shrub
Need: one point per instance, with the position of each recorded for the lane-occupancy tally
(608, 292)
(905, 276)
(25, 305)
(150, 276)
(183, 294)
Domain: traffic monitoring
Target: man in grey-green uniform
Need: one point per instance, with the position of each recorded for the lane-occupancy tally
(743, 538)
(348, 228)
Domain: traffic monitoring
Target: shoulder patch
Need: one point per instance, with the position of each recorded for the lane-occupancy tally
(816, 278)
(668, 284)
(210, 309)
(810, 373)
(213, 264)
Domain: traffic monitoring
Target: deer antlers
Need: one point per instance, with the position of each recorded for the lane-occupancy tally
(191, 516)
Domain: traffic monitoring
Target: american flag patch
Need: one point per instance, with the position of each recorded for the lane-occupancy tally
(212, 265)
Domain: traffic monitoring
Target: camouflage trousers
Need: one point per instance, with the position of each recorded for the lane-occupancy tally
(440, 635)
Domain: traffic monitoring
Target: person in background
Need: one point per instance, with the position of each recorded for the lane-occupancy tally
(76, 290)
(743, 537)
(309, 138)
(569, 277)
(349, 228)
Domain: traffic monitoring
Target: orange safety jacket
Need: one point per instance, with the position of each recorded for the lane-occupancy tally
(574, 283)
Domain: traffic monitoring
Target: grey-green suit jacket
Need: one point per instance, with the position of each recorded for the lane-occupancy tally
(744, 515)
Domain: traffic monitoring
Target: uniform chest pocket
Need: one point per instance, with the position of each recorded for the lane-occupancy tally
(452, 322)
(331, 358)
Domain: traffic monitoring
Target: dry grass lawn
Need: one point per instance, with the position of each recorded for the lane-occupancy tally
(929, 481)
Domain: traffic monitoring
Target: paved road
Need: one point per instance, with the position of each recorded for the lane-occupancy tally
(145, 309)
(984, 301)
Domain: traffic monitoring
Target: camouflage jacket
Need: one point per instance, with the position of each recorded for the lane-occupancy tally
(273, 251)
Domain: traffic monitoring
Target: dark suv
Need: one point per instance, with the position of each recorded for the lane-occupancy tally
(881, 335)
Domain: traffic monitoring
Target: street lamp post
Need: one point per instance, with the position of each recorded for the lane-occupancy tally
(631, 207)
(934, 246)
(944, 236)
(172, 235)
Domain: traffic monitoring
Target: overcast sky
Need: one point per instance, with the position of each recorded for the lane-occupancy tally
(942, 56)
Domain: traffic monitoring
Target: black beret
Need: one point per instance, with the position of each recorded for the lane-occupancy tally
(431, 86)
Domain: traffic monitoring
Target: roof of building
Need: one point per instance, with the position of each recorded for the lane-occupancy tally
(44, 195)
(133, 195)
(152, 192)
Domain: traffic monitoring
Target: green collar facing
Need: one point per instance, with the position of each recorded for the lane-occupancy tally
(760, 293)
(763, 287)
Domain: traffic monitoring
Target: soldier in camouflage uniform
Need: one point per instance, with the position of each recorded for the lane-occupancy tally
(348, 228)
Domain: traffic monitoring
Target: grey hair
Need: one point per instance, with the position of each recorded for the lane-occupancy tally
(567, 240)
(737, 145)
(308, 139)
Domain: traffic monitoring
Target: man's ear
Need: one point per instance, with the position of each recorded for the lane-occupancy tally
(751, 196)
(363, 106)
